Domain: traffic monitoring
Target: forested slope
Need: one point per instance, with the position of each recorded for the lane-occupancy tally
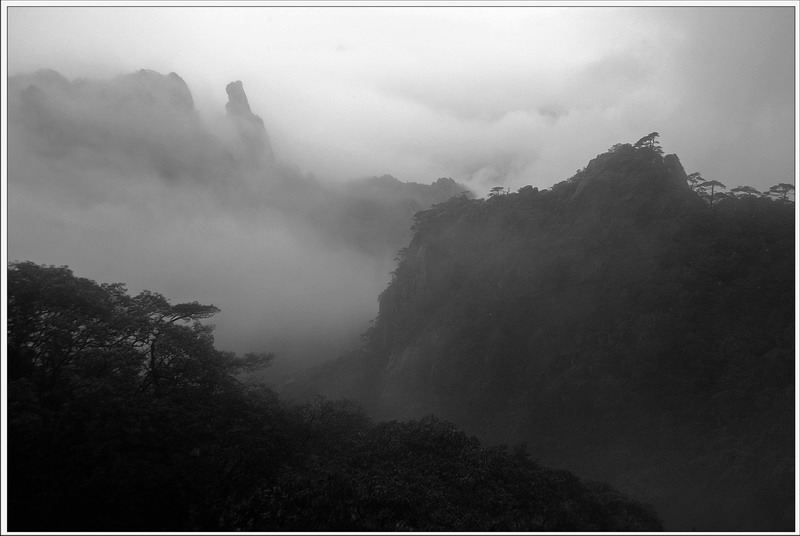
(123, 416)
(623, 323)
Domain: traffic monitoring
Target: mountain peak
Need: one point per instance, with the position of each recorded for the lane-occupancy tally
(250, 126)
(237, 101)
(154, 87)
(637, 181)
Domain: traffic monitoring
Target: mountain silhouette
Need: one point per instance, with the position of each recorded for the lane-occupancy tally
(615, 322)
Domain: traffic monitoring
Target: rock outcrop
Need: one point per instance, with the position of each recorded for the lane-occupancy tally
(238, 104)
(250, 127)
(633, 182)
(142, 122)
(168, 91)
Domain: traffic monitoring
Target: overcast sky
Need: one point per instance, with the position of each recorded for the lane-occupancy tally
(485, 95)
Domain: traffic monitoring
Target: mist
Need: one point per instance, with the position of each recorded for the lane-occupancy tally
(170, 197)
(281, 164)
(488, 96)
(124, 181)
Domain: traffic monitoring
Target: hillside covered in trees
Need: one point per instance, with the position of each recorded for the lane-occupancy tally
(632, 323)
(123, 416)
(632, 326)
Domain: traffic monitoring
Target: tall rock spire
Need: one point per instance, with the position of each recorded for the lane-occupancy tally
(237, 102)
(254, 137)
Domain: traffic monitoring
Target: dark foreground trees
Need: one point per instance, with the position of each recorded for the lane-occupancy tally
(122, 414)
(124, 417)
(426, 475)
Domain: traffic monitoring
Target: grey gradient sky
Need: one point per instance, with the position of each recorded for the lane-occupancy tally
(486, 95)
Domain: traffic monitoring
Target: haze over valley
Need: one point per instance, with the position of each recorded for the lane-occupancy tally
(123, 180)
(169, 195)
(401, 269)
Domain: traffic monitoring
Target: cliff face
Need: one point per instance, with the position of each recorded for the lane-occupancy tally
(470, 256)
(142, 120)
(613, 312)
(141, 123)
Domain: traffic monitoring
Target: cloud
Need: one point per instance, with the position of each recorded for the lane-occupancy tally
(487, 96)
(122, 182)
(348, 92)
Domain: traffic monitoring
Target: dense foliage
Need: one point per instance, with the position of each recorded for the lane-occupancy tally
(426, 475)
(124, 417)
(621, 322)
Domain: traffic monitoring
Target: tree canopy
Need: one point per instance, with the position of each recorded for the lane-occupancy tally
(650, 142)
(781, 191)
(614, 310)
(707, 190)
(745, 191)
(123, 416)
